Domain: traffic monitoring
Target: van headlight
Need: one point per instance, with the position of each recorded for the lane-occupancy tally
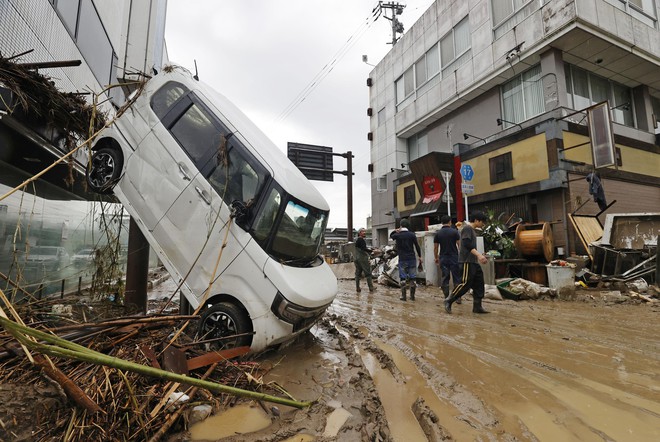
(295, 314)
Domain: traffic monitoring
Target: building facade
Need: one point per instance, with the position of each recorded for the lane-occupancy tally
(503, 87)
(82, 46)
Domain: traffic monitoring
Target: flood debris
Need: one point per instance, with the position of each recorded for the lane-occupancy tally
(113, 371)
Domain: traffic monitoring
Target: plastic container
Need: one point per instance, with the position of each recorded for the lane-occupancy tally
(562, 279)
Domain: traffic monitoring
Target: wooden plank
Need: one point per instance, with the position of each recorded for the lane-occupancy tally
(588, 229)
(216, 356)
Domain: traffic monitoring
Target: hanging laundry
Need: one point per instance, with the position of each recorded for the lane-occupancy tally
(596, 190)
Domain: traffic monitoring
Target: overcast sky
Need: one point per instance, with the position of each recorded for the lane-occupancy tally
(263, 54)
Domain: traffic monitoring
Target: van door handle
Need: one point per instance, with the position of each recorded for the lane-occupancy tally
(182, 169)
(202, 195)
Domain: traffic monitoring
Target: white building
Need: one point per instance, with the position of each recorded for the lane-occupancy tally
(491, 84)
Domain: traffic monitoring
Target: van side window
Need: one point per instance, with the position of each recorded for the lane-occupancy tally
(232, 174)
(266, 219)
(195, 132)
(164, 98)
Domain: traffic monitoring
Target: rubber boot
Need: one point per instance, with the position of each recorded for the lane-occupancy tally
(357, 286)
(448, 302)
(403, 291)
(477, 308)
(445, 291)
(413, 287)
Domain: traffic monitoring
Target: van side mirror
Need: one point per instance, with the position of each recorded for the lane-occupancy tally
(240, 212)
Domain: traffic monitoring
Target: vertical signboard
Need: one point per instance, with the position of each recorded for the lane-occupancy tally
(601, 135)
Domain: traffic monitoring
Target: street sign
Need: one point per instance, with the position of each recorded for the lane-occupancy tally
(467, 188)
(466, 172)
(446, 176)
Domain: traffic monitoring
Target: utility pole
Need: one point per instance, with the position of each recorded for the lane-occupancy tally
(397, 26)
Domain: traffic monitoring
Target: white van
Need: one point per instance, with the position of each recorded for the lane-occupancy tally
(181, 159)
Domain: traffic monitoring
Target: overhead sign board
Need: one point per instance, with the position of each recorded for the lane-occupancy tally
(315, 162)
(467, 172)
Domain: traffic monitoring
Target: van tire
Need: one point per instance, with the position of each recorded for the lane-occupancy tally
(104, 170)
(225, 319)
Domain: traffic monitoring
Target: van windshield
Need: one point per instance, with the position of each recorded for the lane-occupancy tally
(290, 230)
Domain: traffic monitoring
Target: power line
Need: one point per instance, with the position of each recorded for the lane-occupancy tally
(337, 57)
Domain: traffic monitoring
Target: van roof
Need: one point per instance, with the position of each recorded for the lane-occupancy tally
(284, 171)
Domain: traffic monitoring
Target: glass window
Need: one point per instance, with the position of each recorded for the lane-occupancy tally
(432, 61)
(400, 94)
(195, 132)
(218, 154)
(462, 36)
(522, 96)
(455, 43)
(381, 183)
(622, 107)
(381, 116)
(299, 235)
(418, 146)
(502, 9)
(233, 176)
(409, 82)
(420, 71)
(163, 99)
(266, 219)
(586, 89)
(655, 103)
(447, 49)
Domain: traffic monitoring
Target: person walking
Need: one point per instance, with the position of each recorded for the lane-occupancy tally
(472, 277)
(406, 246)
(362, 261)
(446, 240)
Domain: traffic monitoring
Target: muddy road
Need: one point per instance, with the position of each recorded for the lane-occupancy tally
(547, 370)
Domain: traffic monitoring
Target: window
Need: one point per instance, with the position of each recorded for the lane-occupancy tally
(427, 66)
(266, 219)
(522, 96)
(418, 146)
(381, 117)
(216, 152)
(163, 99)
(381, 183)
(643, 10)
(585, 89)
(409, 195)
(501, 168)
(655, 104)
(502, 9)
(405, 85)
(455, 43)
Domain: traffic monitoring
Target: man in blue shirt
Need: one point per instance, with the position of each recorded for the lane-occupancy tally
(406, 246)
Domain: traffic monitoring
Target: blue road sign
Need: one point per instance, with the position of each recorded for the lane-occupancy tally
(467, 172)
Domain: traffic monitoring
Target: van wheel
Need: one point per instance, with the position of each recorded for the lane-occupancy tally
(224, 320)
(105, 169)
